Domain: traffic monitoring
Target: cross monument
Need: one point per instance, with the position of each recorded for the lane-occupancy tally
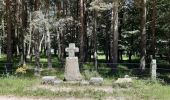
(72, 72)
(71, 50)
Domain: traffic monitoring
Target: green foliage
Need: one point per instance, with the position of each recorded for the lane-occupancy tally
(100, 5)
(122, 71)
(21, 70)
(88, 74)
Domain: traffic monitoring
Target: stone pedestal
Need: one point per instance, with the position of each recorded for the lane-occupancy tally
(72, 72)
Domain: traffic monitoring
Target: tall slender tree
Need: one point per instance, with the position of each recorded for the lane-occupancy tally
(82, 33)
(95, 38)
(23, 30)
(153, 47)
(9, 34)
(114, 33)
(143, 35)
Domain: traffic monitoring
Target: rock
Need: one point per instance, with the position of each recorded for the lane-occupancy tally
(123, 82)
(96, 80)
(84, 82)
(57, 82)
(48, 80)
(126, 76)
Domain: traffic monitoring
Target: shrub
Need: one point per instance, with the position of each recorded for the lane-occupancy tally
(21, 70)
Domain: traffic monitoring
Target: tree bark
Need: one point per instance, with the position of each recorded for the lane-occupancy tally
(169, 51)
(48, 47)
(143, 36)
(9, 36)
(153, 28)
(114, 34)
(37, 52)
(30, 33)
(82, 33)
(95, 40)
(23, 31)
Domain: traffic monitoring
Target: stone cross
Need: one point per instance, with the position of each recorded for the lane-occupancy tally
(71, 50)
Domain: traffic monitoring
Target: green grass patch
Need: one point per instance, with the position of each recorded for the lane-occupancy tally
(141, 89)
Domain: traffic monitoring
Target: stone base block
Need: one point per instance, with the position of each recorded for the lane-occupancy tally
(72, 72)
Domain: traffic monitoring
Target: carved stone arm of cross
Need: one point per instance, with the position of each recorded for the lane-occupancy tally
(71, 50)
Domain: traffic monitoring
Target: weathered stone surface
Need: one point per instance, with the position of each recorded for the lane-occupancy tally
(153, 67)
(71, 50)
(124, 80)
(96, 80)
(48, 79)
(58, 82)
(72, 72)
(84, 82)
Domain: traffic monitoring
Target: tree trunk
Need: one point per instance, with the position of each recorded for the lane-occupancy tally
(59, 44)
(169, 51)
(95, 40)
(131, 49)
(120, 15)
(37, 52)
(49, 47)
(114, 35)
(143, 36)
(23, 31)
(37, 43)
(82, 33)
(153, 47)
(9, 36)
(30, 33)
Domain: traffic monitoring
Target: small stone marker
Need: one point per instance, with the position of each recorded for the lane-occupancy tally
(123, 82)
(48, 80)
(52, 51)
(72, 72)
(153, 69)
(96, 80)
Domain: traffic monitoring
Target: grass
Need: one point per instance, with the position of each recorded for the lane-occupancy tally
(141, 90)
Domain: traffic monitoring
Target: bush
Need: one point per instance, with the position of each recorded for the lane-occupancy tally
(88, 74)
(21, 70)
